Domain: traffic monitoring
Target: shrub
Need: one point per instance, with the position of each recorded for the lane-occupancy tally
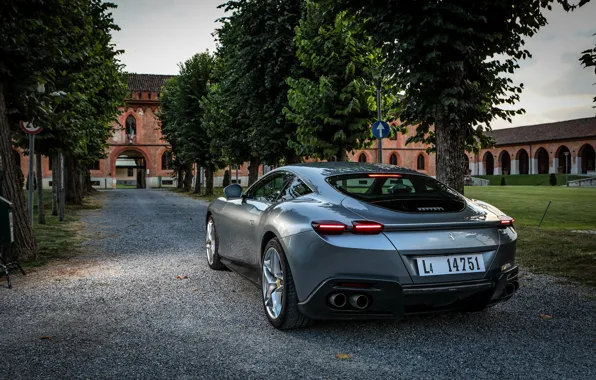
(503, 181)
(226, 178)
(552, 179)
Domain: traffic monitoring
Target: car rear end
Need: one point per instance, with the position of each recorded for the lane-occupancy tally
(406, 244)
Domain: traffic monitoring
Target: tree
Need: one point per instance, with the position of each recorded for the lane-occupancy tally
(182, 117)
(47, 49)
(451, 58)
(334, 104)
(256, 55)
(588, 59)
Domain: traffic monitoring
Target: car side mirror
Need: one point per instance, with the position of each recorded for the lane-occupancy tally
(233, 191)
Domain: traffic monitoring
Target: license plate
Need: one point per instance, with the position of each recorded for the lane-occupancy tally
(440, 265)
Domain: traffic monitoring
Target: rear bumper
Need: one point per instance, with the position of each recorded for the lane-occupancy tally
(391, 300)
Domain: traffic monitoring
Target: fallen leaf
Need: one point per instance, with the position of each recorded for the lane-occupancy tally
(45, 337)
(546, 316)
(182, 277)
(343, 356)
(195, 290)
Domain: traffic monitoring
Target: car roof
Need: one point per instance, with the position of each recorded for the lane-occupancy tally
(329, 169)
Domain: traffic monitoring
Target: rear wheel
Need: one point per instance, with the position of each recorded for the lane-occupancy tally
(279, 293)
(212, 245)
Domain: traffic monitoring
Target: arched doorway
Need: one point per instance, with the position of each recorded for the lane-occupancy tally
(505, 161)
(587, 157)
(523, 161)
(362, 157)
(393, 159)
(130, 171)
(564, 161)
(489, 163)
(542, 161)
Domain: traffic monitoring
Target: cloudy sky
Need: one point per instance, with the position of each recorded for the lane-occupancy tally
(158, 34)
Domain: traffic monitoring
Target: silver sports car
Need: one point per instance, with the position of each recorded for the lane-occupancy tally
(354, 241)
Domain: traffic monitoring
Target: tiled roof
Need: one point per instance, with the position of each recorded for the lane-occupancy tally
(561, 130)
(146, 82)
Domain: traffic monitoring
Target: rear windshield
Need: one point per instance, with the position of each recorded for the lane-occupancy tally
(399, 192)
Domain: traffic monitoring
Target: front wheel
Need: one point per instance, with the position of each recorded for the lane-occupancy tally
(279, 293)
(212, 246)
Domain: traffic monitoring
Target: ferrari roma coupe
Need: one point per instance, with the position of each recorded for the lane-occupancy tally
(358, 241)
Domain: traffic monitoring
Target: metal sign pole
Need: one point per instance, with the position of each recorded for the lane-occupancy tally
(380, 141)
(31, 177)
(61, 194)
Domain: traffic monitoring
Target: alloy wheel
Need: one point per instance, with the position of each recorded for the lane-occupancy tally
(210, 240)
(273, 283)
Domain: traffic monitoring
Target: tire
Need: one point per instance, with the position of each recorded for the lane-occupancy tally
(212, 246)
(288, 316)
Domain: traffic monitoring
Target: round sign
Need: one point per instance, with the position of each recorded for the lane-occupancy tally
(29, 128)
(380, 129)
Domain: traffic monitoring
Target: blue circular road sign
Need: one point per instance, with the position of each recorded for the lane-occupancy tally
(380, 129)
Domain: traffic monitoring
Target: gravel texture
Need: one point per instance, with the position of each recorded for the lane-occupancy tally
(119, 311)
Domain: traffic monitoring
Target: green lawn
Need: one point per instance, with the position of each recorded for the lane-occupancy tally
(527, 179)
(553, 248)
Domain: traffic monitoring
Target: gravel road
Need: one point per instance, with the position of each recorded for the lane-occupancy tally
(119, 311)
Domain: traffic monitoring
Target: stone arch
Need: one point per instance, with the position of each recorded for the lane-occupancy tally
(505, 162)
(523, 161)
(542, 160)
(489, 163)
(362, 157)
(587, 157)
(123, 149)
(563, 163)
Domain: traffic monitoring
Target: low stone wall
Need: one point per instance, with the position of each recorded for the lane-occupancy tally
(588, 182)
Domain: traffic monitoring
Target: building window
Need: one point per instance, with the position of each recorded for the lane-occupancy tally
(131, 128)
(131, 172)
(393, 159)
(149, 96)
(421, 163)
(94, 165)
(362, 157)
(50, 162)
(140, 95)
(166, 160)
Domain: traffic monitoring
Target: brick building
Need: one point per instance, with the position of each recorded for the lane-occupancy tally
(138, 154)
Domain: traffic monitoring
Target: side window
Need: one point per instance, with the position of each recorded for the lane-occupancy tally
(269, 189)
(296, 189)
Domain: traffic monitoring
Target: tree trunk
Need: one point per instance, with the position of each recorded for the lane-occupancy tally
(71, 178)
(41, 212)
(450, 154)
(24, 244)
(54, 186)
(187, 177)
(198, 180)
(179, 179)
(209, 181)
(253, 170)
(341, 155)
(88, 186)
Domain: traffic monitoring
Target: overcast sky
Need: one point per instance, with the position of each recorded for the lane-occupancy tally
(158, 34)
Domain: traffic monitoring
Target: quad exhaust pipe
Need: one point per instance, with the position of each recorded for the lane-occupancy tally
(359, 301)
(511, 288)
(338, 300)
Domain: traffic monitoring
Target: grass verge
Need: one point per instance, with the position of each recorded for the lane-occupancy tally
(553, 248)
(217, 192)
(57, 240)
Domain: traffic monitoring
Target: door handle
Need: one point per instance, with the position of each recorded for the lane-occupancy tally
(252, 222)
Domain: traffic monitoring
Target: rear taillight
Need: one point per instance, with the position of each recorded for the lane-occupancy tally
(330, 227)
(506, 221)
(366, 227)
